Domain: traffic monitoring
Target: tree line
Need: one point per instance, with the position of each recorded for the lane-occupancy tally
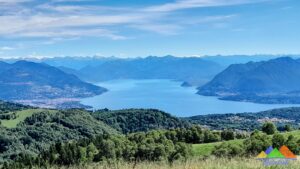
(151, 146)
(259, 141)
(155, 145)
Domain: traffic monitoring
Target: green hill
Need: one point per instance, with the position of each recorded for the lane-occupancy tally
(136, 120)
(34, 130)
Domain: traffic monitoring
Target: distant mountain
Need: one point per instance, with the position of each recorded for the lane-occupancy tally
(4, 66)
(76, 62)
(192, 70)
(238, 59)
(273, 81)
(73, 62)
(25, 80)
(69, 70)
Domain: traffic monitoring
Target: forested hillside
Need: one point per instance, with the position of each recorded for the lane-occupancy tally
(35, 130)
(46, 138)
(134, 120)
(45, 127)
(6, 107)
(250, 121)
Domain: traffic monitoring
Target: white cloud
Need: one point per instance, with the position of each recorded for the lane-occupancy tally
(186, 4)
(5, 48)
(54, 20)
(75, 25)
(13, 1)
(61, 34)
(165, 29)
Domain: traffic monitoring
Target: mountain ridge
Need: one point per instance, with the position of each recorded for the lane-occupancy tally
(25, 80)
(272, 81)
(191, 70)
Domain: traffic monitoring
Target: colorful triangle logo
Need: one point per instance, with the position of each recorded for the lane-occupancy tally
(269, 150)
(284, 150)
(275, 153)
(262, 155)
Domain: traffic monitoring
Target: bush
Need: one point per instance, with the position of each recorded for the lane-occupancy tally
(278, 140)
(288, 127)
(292, 144)
(269, 128)
(228, 150)
(256, 143)
(227, 135)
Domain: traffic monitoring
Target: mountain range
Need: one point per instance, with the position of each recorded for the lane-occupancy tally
(25, 82)
(241, 59)
(192, 70)
(273, 81)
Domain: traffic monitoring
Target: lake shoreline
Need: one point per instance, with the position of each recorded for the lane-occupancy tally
(169, 96)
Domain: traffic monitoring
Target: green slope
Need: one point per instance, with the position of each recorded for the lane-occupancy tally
(21, 116)
(203, 150)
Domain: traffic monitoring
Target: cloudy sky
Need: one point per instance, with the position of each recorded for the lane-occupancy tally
(129, 28)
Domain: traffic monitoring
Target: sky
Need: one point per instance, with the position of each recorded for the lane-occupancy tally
(137, 28)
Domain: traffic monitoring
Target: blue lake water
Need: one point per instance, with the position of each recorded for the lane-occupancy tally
(169, 96)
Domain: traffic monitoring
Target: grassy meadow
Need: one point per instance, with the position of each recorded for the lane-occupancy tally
(21, 116)
(205, 150)
(195, 163)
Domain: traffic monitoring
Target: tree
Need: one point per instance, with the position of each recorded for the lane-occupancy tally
(228, 150)
(257, 142)
(210, 137)
(182, 151)
(4, 143)
(91, 151)
(269, 128)
(291, 143)
(288, 127)
(227, 135)
(278, 140)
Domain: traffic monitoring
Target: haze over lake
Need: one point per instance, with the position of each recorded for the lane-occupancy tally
(169, 96)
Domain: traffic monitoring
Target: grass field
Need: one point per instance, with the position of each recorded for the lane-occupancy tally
(195, 163)
(21, 116)
(204, 150)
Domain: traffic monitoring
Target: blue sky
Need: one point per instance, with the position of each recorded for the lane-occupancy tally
(131, 28)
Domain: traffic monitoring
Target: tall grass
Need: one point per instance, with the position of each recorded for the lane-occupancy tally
(210, 163)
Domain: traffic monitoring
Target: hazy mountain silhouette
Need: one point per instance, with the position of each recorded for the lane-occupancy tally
(273, 81)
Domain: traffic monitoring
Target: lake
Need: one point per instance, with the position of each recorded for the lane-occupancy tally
(169, 96)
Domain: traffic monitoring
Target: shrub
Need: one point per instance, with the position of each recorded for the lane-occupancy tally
(278, 140)
(256, 143)
(228, 150)
(269, 128)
